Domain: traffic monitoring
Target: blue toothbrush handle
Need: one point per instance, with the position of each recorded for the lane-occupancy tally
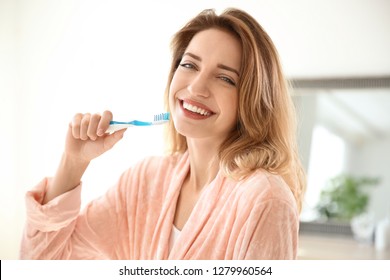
(135, 122)
(157, 119)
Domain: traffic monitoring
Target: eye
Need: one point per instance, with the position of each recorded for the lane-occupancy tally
(188, 65)
(228, 80)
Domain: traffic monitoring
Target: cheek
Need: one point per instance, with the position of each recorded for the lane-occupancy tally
(231, 105)
(173, 87)
(171, 94)
(171, 102)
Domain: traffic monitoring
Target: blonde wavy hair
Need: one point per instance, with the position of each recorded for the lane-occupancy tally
(266, 127)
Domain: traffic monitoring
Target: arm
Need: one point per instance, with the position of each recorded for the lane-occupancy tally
(271, 219)
(57, 230)
(53, 207)
(275, 234)
(86, 139)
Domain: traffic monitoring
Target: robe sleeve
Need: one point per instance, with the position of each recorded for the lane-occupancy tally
(270, 220)
(57, 230)
(273, 232)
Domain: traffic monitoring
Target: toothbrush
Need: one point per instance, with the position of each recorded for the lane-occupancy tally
(157, 119)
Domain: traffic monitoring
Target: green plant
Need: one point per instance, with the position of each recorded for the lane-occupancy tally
(345, 197)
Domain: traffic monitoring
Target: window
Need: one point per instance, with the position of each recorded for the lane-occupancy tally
(326, 161)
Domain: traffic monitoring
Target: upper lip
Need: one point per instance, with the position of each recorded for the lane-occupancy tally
(197, 104)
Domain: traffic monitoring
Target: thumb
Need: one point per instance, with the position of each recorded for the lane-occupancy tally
(111, 139)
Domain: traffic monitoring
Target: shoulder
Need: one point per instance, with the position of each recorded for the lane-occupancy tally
(156, 166)
(164, 163)
(152, 176)
(264, 189)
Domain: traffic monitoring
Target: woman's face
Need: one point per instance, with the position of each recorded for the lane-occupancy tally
(203, 95)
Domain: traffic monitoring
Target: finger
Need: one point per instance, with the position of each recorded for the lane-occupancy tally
(76, 121)
(92, 128)
(104, 123)
(84, 126)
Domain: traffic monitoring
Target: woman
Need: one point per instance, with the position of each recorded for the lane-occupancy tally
(231, 186)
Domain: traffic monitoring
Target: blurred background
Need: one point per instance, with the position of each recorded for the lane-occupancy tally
(58, 58)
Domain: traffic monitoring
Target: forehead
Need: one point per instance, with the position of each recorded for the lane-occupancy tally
(216, 45)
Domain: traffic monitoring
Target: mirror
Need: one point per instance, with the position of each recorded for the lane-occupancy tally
(344, 127)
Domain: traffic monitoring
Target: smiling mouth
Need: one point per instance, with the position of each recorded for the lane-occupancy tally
(196, 109)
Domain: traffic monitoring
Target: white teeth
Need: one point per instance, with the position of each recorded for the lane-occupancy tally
(195, 109)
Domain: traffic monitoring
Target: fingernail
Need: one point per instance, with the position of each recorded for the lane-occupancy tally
(100, 132)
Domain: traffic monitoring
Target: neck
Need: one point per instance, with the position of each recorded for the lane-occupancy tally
(204, 164)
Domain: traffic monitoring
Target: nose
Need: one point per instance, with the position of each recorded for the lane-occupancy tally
(199, 85)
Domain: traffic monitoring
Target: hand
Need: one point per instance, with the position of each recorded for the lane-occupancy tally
(87, 138)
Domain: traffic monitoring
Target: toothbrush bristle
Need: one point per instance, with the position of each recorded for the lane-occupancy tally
(161, 117)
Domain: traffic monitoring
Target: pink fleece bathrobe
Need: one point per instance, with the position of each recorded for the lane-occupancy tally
(255, 218)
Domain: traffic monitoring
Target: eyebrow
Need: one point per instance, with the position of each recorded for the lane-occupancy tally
(222, 66)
